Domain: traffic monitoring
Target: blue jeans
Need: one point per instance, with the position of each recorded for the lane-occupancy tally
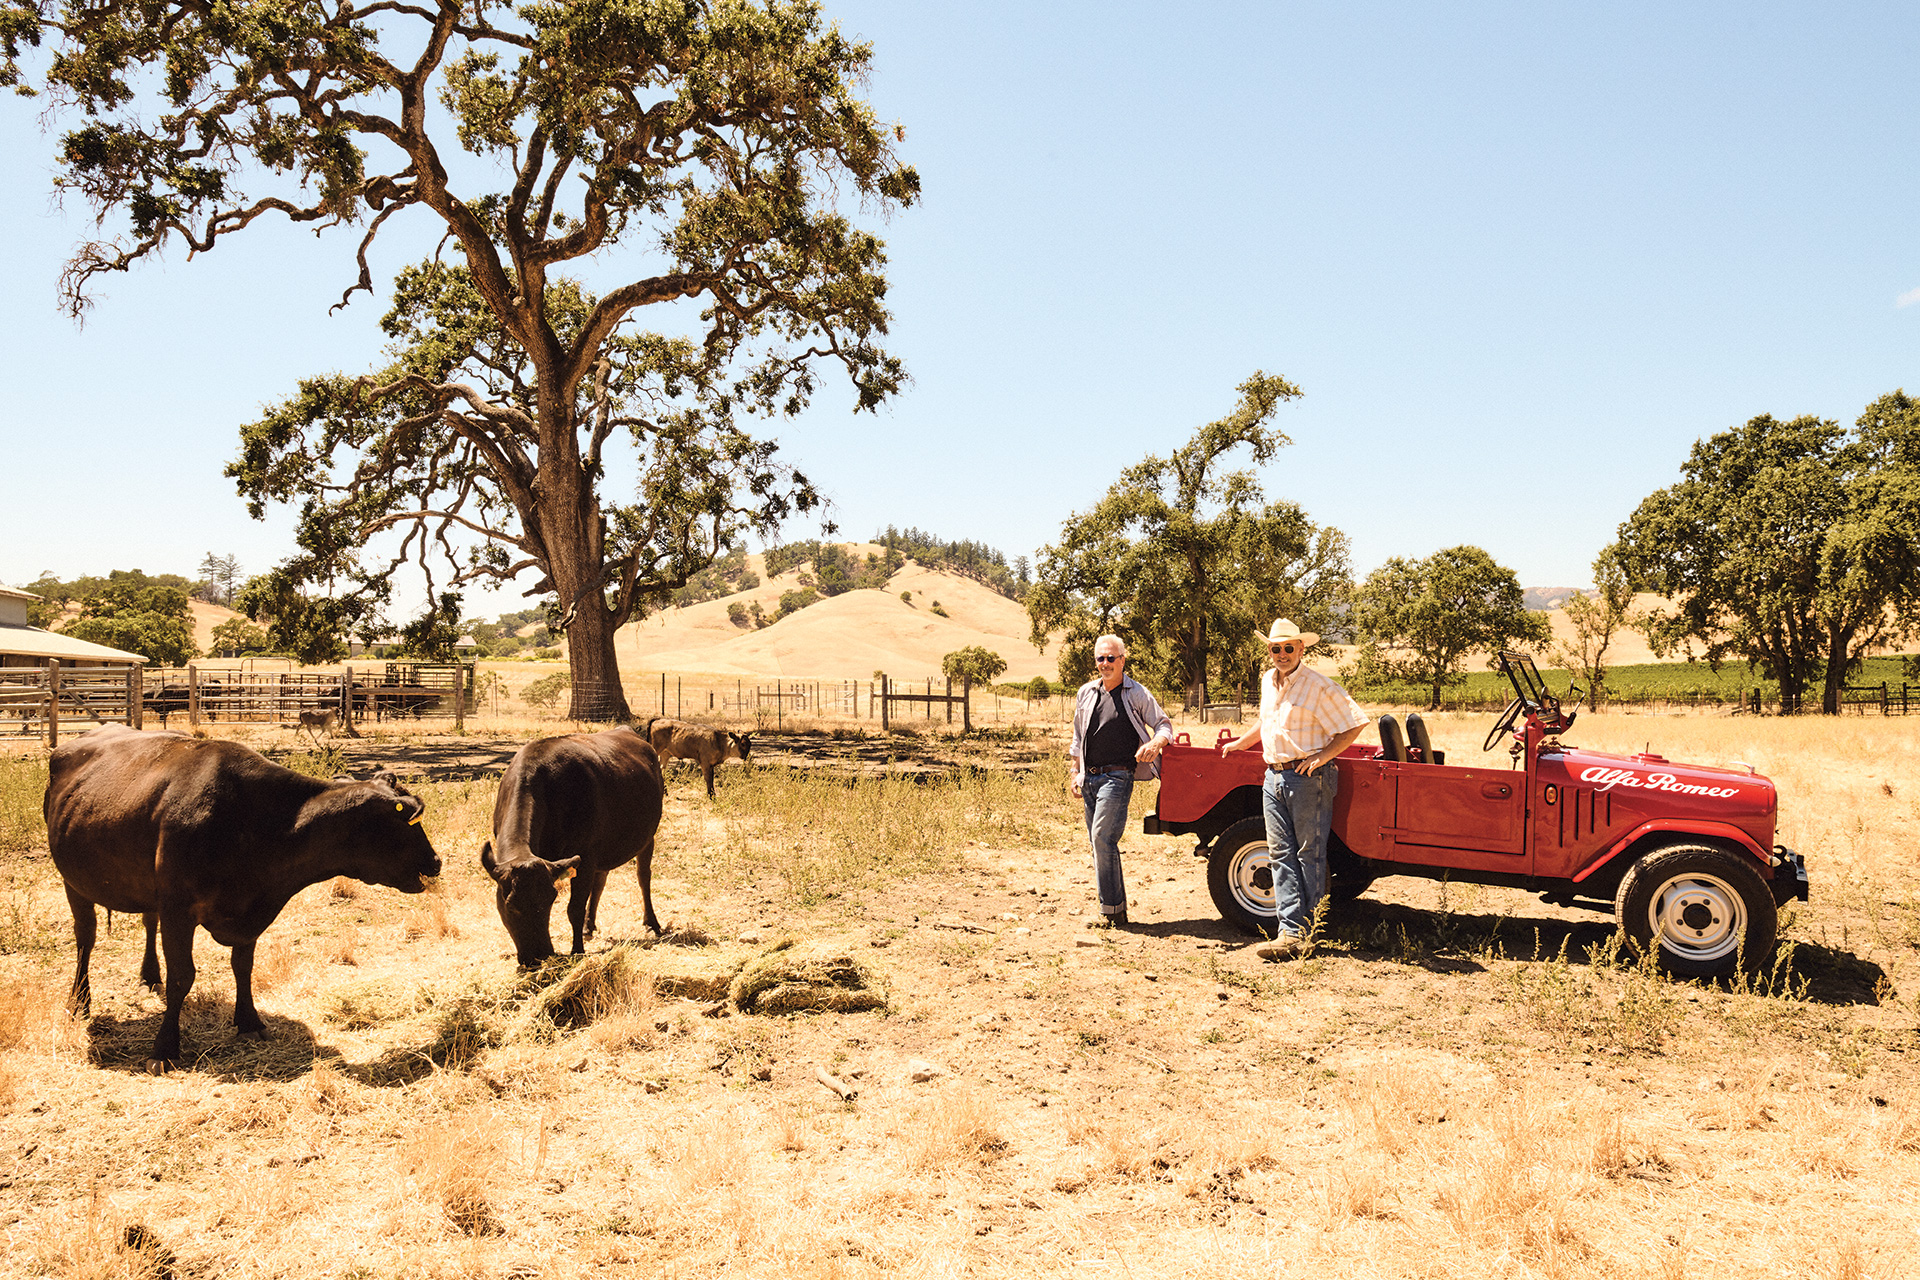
(1299, 814)
(1106, 797)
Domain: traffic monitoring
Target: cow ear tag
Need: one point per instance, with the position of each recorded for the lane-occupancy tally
(562, 879)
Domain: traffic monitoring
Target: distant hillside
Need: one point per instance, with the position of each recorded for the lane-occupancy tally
(1548, 597)
(853, 634)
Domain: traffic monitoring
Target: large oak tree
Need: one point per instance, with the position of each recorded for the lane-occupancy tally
(1186, 559)
(1793, 545)
(703, 152)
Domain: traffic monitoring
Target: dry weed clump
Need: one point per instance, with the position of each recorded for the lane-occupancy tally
(1514, 1190)
(23, 788)
(101, 1244)
(1568, 1003)
(454, 1163)
(429, 920)
(959, 1127)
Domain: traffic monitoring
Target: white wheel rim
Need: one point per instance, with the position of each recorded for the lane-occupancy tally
(1251, 879)
(1698, 917)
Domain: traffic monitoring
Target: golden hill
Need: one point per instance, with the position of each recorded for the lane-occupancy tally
(848, 636)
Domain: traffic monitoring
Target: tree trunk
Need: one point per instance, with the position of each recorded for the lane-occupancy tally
(597, 696)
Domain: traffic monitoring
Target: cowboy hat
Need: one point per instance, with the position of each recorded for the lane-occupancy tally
(1284, 629)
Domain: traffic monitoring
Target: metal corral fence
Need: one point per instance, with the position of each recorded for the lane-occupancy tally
(770, 703)
(263, 694)
(37, 700)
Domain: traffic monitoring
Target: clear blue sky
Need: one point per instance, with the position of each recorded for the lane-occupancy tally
(1518, 257)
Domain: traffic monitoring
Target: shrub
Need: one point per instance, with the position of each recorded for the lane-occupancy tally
(938, 610)
(737, 614)
(795, 601)
(545, 691)
(1039, 689)
(906, 598)
(974, 662)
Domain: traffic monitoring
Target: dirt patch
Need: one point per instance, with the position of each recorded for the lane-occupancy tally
(1457, 1082)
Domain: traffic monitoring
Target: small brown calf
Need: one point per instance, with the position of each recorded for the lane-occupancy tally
(702, 744)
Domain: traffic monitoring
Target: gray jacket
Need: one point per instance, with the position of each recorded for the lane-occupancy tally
(1143, 712)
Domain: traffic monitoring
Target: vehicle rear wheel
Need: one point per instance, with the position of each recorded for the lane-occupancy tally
(1706, 909)
(1241, 882)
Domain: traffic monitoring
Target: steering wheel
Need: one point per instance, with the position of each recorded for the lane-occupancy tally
(1504, 724)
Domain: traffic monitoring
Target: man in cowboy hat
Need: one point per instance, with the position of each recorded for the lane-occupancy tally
(1306, 720)
(1118, 731)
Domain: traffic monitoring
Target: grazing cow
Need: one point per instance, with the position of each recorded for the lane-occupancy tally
(583, 803)
(196, 833)
(702, 744)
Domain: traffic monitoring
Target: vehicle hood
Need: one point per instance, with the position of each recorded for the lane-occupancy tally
(1650, 781)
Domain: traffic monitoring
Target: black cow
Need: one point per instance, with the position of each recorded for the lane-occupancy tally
(196, 833)
(584, 803)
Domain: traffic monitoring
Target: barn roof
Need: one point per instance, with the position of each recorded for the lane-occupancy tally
(12, 594)
(32, 642)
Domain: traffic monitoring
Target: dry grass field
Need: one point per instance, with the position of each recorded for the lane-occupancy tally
(1457, 1082)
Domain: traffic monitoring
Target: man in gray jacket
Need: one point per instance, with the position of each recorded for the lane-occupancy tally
(1118, 731)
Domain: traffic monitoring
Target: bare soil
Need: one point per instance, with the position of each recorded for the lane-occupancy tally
(1456, 1082)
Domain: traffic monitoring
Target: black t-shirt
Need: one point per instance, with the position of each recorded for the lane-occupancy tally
(1111, 737)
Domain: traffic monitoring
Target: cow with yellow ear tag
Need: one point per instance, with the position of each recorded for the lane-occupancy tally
(571, 809)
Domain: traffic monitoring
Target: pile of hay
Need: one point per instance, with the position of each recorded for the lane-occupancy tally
(595, 987)
(807, 979)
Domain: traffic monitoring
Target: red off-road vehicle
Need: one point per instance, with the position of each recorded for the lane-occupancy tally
(1682, 854)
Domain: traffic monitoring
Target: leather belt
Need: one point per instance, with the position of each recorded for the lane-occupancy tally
(1287, 766)
(1097, 770)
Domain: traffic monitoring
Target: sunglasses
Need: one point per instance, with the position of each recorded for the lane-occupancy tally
(1283, 648)
(1108, 657)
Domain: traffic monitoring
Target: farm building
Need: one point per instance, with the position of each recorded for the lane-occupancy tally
(25, 646)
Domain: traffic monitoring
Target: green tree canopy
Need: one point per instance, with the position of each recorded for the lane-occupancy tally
(1417, 620)
(1189, 562)
(144, 618)
(238, 638)
(975, 662)
(703, 152)
(1792, 545)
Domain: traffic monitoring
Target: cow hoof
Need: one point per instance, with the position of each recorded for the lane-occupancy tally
(158, 1066)
(252, 1037)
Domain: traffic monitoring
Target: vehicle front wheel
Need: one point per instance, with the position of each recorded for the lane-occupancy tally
(1239, 879)
(1241, 882)
(1705, 908)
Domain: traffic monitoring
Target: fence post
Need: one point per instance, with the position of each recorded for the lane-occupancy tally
(679, 699)
(949, 699)
(1883, 699)
(53, 703)
(966, 703)
(193, 696)
(136, 703)
(459, 698)
(885, 704)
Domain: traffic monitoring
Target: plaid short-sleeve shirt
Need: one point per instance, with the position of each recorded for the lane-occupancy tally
(1303, 714)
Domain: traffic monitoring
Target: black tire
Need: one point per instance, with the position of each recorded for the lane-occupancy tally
(1238, 877)
(1241, 884)
(1393, 743)
(1705, 907)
